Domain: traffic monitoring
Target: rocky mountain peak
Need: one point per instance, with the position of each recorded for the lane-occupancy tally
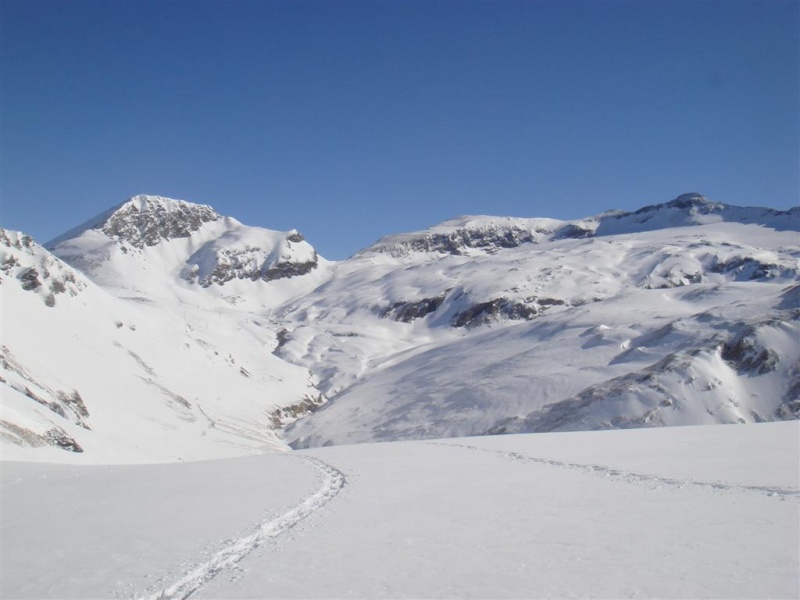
(692, 203)
(146, 220)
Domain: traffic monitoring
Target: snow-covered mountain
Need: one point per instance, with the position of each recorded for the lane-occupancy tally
(150, 345)
(183, 333)
(166, 248)
(680, 313)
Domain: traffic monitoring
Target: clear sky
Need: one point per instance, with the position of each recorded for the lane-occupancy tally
(352, 120)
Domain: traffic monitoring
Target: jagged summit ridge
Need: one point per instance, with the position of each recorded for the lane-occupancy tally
(145, 220)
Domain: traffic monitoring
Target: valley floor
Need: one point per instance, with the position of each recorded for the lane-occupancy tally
(685, 512)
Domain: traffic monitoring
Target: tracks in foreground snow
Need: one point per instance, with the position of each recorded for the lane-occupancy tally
(198, 575)
(652, 481)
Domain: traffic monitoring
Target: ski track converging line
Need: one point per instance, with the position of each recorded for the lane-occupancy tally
(653, 481)
(333, 481)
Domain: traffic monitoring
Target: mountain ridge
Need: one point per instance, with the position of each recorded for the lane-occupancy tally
(472, 326)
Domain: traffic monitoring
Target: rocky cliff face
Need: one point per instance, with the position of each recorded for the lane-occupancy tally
(36, 270)
(147, 220)
(251, 255)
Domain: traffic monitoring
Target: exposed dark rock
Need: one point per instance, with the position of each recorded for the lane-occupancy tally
(745, 354)
(21, 242)
(75, 403)
(283, 337)
(544, 302)
(789, 410)
(406, 312)
(22, 436)
(53, 406)
(239, 265)
(485, 312)
(295, 237)
(155, 222)
(289, 269)
(30, 279)
(746, 268)
(692, 200)
(572, 231)
(59, 437)
(280, 417)
(9, 262)
(456, 242)
(672, 279)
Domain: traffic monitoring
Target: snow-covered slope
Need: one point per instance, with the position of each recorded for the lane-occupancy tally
(681, 313)
(680, 512)
(172, 249)
(88, 376)
(678, 313)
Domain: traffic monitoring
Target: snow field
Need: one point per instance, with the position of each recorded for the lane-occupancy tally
(683, 512)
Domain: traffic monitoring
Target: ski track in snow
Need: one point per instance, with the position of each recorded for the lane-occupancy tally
(651, 481)
(200, 574)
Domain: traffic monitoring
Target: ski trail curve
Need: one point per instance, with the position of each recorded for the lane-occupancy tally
(200, 574)
(653, 481)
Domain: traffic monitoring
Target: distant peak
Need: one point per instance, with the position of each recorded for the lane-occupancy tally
(689, 196)
(690, 200)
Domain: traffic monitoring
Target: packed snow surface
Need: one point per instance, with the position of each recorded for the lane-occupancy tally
(681, 512)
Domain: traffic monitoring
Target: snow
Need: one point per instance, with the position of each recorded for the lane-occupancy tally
(388, 380)
(681, 512)
(147, 377)
(162, 380)
(188, 335)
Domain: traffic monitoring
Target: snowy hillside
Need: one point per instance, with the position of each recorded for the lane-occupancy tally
(683, 313)
(171, 331)
(91, 377)
(680, 512)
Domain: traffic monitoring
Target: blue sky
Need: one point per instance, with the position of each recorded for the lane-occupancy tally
(353, 120)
